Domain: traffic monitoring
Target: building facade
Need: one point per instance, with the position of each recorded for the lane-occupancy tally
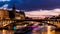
(4, 14)
(4, 17)
(19, 16)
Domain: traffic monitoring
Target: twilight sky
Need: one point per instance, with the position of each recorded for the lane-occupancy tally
(34, 8)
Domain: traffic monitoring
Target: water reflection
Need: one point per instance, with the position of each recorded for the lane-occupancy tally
(4, 31)
(7, 32)
(47, 31)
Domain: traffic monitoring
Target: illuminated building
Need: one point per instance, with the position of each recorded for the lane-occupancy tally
(13, 14)
(20, 15)
(4, 16)
(7, 16)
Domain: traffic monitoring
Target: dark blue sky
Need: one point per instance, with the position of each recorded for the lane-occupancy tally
(30, 5)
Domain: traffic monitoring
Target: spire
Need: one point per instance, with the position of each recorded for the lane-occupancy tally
(13, 8)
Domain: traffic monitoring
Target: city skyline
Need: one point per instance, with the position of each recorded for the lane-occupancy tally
(34, 7)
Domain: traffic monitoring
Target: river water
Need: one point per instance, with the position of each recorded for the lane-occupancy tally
(48, 31)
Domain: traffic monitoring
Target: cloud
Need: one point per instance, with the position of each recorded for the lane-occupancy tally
(44, 13)
(4, 0)
(4, 6)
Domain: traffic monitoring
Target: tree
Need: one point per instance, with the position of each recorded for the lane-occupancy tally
(53, 17)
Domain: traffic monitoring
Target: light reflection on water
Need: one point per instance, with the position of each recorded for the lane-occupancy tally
(4, 31)
(49, 31)
(7, 32)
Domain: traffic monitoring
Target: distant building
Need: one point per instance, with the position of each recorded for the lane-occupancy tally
(20, 15)
(12, 13)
